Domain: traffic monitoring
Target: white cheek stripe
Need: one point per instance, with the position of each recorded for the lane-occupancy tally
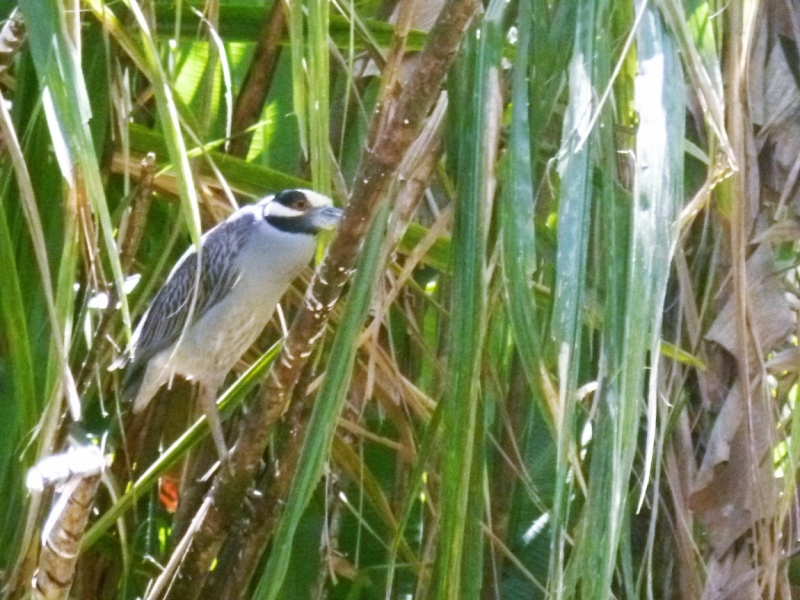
(316, 199)
(276, 209)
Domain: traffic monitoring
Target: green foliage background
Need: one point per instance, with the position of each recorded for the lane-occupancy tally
(519, 392)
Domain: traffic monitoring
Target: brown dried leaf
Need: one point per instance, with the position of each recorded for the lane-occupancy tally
(731, 577)
(775, 102)
(770, 317)
(785, 361)
(787, 230)
(735, 487)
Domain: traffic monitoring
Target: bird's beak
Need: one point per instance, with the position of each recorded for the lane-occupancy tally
(326, 217)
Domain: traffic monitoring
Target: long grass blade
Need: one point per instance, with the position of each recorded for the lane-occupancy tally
(321, 427)
(297, 35)
(65, 91)
(517, 209)
(573, 239)
(660, 102)
(459, 560)
(318, 102)
(170, 122)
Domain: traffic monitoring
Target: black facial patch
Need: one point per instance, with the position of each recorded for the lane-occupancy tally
(303, 223)
(288, 198)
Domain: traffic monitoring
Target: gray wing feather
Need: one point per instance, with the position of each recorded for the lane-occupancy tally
(166, 317)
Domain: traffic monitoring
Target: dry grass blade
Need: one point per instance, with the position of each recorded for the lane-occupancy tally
(79, 474)
(53, 578)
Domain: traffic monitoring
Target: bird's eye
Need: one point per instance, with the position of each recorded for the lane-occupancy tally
(301, 204)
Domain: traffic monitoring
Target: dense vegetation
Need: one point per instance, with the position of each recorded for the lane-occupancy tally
(564, 360)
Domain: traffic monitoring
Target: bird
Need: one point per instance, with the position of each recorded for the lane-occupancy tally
(246, 263)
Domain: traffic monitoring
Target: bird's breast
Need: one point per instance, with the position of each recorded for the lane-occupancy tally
(274, 258)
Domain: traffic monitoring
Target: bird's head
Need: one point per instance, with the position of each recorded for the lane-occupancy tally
(300, 211)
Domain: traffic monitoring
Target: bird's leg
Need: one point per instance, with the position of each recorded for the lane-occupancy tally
(208, 403)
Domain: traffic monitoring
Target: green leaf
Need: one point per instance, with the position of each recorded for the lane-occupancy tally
(459, 569)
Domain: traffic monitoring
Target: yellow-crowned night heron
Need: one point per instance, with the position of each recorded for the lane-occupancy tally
(246, 264)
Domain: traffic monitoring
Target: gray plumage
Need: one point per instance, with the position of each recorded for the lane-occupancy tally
(246, 264)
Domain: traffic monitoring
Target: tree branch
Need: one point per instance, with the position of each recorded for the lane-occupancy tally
(255, 524)
(395, 124)
(251, 98)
